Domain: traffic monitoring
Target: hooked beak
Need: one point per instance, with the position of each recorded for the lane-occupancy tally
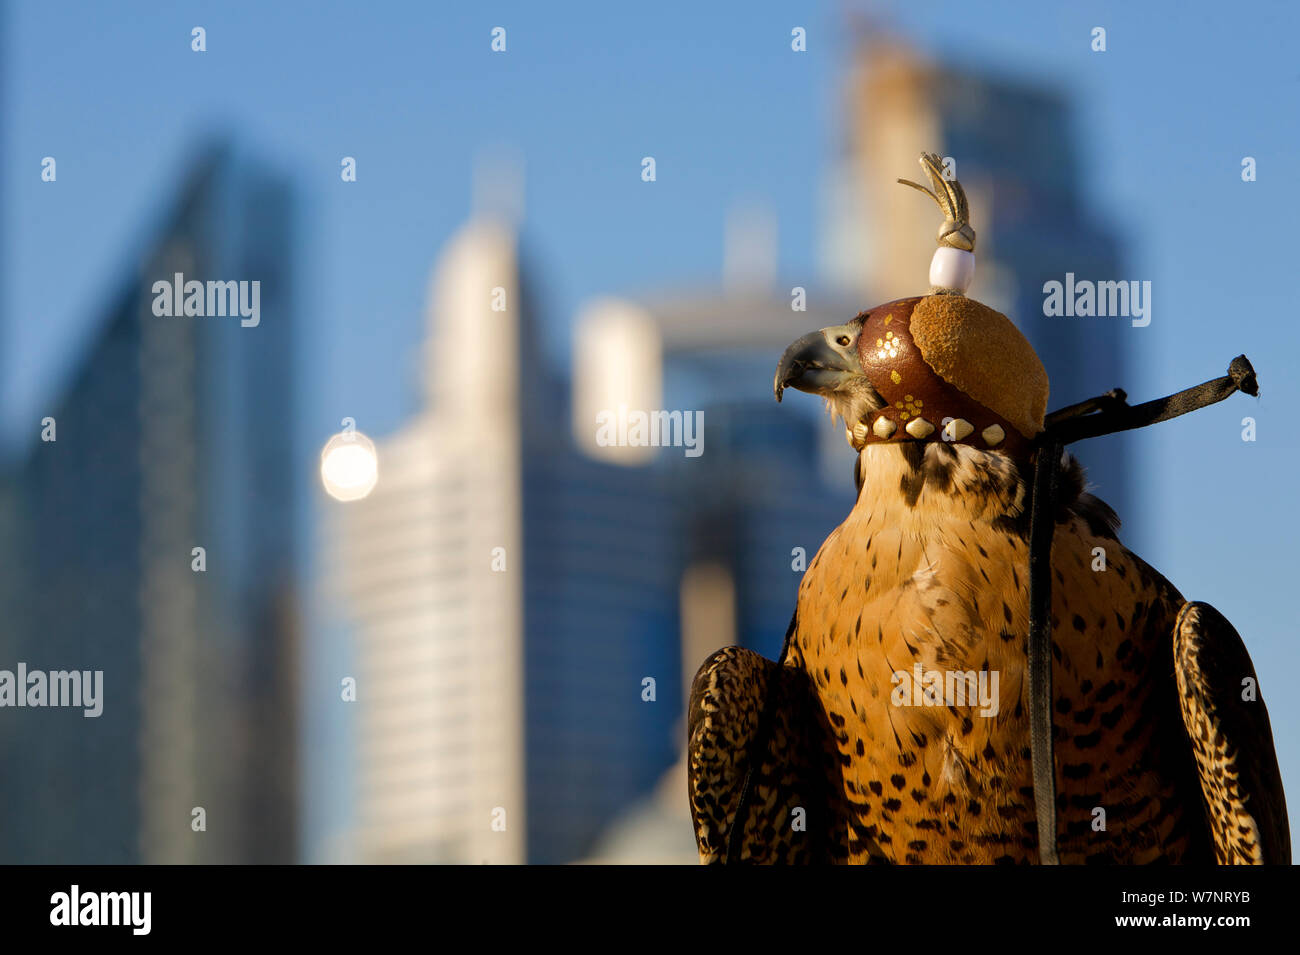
(821, 362)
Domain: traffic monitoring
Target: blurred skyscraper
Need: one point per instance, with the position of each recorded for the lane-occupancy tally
(509, 596)
(1016, 151)
(172, 433)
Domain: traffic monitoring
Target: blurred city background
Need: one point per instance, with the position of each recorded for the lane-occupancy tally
(514, 679)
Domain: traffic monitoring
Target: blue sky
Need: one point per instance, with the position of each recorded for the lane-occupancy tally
(413, 91)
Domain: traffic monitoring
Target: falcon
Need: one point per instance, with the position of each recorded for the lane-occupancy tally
(904, 721)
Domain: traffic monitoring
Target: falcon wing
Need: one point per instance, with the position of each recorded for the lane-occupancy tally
(753, 723)
(1231, 739)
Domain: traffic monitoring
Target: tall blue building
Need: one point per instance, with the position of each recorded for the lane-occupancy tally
(603, 556)
(148, 532)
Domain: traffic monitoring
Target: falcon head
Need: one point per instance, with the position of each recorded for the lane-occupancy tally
(826, 363)
(940, 367)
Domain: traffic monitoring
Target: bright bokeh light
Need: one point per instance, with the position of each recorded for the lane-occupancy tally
(349, 466)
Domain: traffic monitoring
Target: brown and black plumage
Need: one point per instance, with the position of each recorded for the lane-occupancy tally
(1163, 750)
(748, 713)
(1231, 739)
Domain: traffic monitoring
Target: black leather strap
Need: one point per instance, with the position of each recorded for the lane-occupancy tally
(1042, 522)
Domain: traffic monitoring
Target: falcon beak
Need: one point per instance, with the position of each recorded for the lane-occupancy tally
(820, 363)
